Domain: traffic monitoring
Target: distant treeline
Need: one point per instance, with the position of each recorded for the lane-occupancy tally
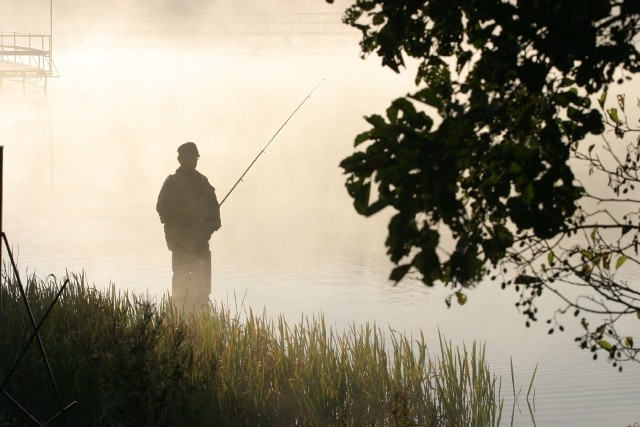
(87, 16)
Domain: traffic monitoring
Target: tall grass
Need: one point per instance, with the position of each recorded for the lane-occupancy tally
(129, 361)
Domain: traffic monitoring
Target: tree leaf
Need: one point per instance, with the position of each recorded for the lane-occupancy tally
(602, 99)
(621, 101)
(462, 298)
(629, 342)
(399, 272)
(524, 279)
(430, 97)
(605, 344)
(392, 113)
(621, 260)
(613, 115)
(550, 258)
(362, 137)
(587, 254)
(378, 19)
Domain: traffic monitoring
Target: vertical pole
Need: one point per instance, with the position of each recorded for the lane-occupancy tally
(1, 229)
(50, 36)
(1, 198)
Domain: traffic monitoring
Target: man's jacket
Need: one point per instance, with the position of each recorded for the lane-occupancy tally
(189, 209)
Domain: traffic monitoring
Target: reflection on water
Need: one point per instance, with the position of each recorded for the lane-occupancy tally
(83, 168)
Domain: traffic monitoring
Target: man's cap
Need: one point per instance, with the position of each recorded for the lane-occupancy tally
(188, 148)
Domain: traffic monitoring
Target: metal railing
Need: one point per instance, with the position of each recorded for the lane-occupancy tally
(30, 50)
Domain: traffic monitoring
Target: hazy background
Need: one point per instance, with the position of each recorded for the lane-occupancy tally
(85, 162)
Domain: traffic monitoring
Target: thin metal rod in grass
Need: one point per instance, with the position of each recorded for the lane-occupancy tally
(33, 335)
(36, 334)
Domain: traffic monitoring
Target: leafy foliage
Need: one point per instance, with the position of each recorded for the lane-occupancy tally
(582, 265)
(480, 154)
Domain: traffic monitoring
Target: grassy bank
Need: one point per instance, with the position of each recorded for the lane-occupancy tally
(128, 361)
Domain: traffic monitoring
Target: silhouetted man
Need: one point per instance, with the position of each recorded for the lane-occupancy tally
(189, 209)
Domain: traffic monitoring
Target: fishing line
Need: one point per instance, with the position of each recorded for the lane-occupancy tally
(270, 141)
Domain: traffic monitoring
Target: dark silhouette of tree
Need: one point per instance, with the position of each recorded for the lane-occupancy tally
(483, 153)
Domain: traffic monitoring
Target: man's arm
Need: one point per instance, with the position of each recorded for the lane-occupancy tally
(214, 216)
(164, 203)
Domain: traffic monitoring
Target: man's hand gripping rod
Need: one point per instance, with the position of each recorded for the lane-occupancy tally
(271, 140)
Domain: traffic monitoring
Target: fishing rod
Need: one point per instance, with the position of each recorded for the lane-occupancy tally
(270, 141)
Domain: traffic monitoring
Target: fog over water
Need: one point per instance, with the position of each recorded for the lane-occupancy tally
(84, 165)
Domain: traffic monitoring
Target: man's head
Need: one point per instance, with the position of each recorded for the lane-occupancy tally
(188, 155)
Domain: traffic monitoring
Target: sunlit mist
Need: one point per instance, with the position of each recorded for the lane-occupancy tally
(84, 161)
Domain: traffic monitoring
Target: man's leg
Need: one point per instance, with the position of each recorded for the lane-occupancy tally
(180, 263)
(191, 279)
(201, 278)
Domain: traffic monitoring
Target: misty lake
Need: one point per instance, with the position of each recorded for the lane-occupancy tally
(84, 165)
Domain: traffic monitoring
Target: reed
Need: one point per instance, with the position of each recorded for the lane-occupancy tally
(127, 360)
